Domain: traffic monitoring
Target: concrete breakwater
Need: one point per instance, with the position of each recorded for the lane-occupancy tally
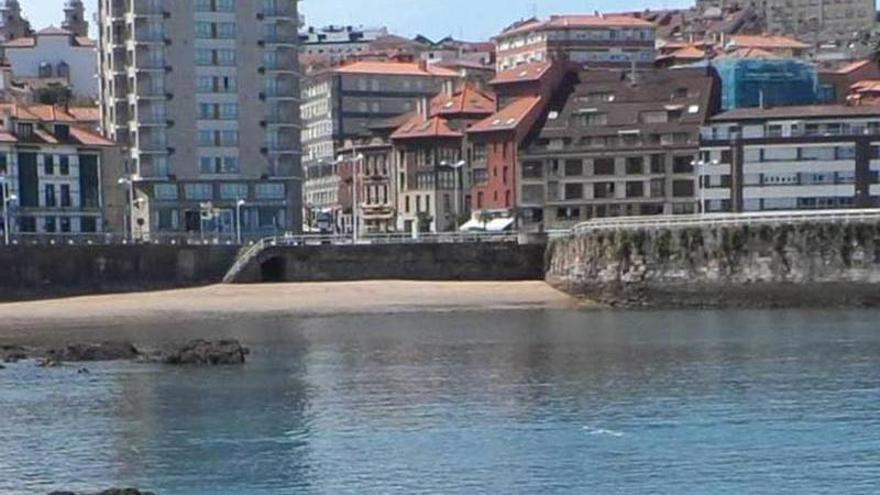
(799, 265)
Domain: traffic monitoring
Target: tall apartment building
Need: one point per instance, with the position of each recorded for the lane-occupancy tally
(342, 104)
(205, 94)
(618, 146)
(588, 40)
(786, 158)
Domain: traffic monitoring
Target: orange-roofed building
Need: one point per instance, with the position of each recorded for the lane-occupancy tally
(835, 80)
(524, 94)
(341, 105)
(432, 153)
(864, 93)
(62, 173)
(588, 40)
(780, 46)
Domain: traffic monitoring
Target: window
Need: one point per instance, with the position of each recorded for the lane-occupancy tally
(533, 170)
(199, 191)
(204, 56)
(233, 191)
(64, 223)
(64, 165)
(88, 224)
(574, 191)
(602, 190)
(658, 188)
(658, 164)
(229, 111)
(635, 189)
(635, 165)
(591, 119)
(568, 213)
(203, 30)
(817, 153)
(226, 57)
(226, 30)
(65, 196)
(49, 164)
(779, 154)
(846, 152)
(50, 225)
(683, 188)
(574, 168)
(683, 165)
(50, 196)
(603, 166)
(165, 191)
(270, 191)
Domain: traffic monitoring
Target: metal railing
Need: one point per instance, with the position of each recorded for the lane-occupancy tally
(715, 219)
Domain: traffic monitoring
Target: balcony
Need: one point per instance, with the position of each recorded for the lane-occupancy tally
(279, 14)
(280, 41)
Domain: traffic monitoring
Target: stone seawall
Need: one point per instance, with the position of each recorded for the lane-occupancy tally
(30, 272)
(446, 261)
(804, 265)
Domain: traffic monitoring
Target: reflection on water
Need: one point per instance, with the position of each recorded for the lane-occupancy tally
(494, 402)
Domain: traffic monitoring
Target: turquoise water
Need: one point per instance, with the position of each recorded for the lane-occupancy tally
(467, 403)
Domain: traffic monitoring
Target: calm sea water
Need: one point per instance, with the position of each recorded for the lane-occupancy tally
(468, 403)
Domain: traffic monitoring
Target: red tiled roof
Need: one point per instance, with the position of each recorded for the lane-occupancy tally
(50, 113)
(85, 114)
(760, 41)
(6, 137)
(748, 53)
(468, 100)
(851, 67)
(53, 31)
(509, 117)
(89, 138)
(526, 72)
(433, 127)
(579, 21)
(26, 42)
(395, 68)
(45, 136)
(85, 41)
(690, 52)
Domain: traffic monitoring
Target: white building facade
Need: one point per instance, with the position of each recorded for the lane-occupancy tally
(54, 53)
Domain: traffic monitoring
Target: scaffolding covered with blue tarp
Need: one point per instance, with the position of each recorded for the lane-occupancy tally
(770, 82)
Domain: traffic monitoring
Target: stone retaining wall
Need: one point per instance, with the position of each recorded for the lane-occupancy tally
(806, 265)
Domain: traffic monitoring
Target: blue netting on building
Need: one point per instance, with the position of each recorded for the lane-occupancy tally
(779, 82)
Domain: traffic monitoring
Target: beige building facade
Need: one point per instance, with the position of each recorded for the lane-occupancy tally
(205, 95)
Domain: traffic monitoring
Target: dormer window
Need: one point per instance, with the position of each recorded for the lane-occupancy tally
(62, 132)
(25, 131)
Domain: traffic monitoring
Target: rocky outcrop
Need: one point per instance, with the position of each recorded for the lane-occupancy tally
(203, 352)
(803, 265)
(111, 491)
(105, 351)
(12, 353)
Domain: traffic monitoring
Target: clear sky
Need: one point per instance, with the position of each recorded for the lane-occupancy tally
(465, 19)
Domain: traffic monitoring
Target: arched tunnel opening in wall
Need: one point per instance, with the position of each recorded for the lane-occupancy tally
(273, 270)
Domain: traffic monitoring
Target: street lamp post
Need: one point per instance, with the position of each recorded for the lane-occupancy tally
(456, 168)
(238, 206)
(7, 199)
(701, 167)
(128, 220)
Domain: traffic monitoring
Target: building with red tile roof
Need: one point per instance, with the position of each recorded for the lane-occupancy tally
(589, 40)
(778, 45)
(836, 80)
(62, 173)
(342, 105)
(432, 150)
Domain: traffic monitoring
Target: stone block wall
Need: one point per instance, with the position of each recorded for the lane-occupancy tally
(803, 265)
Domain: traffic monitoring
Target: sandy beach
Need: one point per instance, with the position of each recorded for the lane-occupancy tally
(300, 299)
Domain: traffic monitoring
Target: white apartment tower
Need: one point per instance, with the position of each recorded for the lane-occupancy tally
(205, 94)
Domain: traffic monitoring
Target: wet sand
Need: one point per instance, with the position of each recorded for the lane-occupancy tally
(301, 299)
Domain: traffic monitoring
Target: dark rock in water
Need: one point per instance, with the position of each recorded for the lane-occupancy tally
(203, 352)
(49, 363)
(105, 351)
(12, 353)
(2, 367)
(112, 491)
(82, 371)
